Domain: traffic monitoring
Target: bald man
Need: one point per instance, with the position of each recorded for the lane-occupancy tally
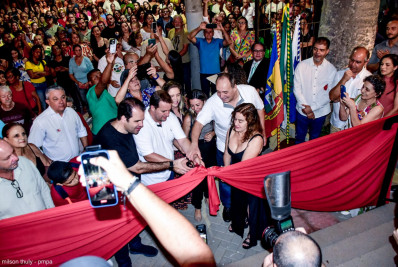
(294, 248)
(352, 78)
(22, 188)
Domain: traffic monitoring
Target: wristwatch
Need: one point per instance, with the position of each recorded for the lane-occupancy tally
(131, 187)
(171, 167)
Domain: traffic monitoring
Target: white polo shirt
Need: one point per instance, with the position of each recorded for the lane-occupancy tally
(159, 140)
(58, 135)
(215, 109)
(353, 88)
(312, 85)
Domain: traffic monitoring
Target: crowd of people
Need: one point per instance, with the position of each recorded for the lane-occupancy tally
(125, 67)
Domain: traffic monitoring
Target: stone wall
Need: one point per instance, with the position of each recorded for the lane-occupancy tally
(348, 23)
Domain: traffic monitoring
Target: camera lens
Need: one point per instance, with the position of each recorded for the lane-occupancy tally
(270, 236)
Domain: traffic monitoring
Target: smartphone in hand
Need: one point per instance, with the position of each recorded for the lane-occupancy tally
(342, 91)
(101, 192)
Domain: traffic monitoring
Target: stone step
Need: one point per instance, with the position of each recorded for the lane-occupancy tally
(365, 240)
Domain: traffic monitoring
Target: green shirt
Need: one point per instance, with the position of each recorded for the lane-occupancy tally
(103, 108)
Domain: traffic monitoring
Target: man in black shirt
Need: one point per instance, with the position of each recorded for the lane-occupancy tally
(113, 30)
(117, 135)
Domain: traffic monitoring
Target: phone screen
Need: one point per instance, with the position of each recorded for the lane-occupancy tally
(112, 46)
(154, 24)
(342, 91)
(101, 192)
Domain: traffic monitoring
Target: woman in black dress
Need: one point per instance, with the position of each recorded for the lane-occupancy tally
(244, 141)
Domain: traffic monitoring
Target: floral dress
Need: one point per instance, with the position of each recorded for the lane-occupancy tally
(365, 111)
(242, 46)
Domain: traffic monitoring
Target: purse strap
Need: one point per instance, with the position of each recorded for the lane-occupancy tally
(241, 41)
(24, 93)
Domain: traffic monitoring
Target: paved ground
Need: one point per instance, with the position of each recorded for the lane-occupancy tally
(226, 246)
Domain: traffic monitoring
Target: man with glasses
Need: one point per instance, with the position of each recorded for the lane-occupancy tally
(22, 188)
(257, 68)
(216, 19)
(164, 19)
(352, 78)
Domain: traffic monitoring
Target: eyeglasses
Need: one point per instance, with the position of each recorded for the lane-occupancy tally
(15, 184)
(241, 22)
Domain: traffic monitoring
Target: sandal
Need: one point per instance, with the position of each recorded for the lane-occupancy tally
(246, 243)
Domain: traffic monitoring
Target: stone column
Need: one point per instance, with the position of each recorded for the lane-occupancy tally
(348, 23)
(194, 14)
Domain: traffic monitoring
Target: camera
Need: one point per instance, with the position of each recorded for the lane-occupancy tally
(211, 26)
(277, 190)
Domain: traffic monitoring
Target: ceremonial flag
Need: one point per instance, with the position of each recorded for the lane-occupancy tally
(273, 99)
(296, 55)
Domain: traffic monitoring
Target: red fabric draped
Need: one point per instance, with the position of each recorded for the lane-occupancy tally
(336, 172)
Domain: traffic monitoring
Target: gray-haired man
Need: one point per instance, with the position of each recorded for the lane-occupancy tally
(58, 129)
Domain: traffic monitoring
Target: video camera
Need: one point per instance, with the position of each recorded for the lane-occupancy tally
(277, 190)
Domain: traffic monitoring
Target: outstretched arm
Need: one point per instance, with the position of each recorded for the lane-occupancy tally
(173, 230)
(192, 34)
(106, 76)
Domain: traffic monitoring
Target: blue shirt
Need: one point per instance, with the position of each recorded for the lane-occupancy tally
(80, 72)
(209, 55)
(1, 128)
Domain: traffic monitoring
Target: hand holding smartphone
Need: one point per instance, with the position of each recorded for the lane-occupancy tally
(101, 192)
(342, 91)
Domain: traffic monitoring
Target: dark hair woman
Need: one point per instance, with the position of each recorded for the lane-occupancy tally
(98, 44)
(206, 143)
(37, 70)
(388, 69)
(23, 92)
(244, 141)
(16, 136)
(366, 107)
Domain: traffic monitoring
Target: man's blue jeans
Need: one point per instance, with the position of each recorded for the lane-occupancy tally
(303, 124)
(225, 189)
(41, 92)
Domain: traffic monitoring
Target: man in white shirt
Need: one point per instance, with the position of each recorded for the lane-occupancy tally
(352, 78)
(107, 6)
(218, 108)
(313, 79)
(58, 129)
(216, 19)
(117, 70)
(22, 188)
(273, 7)
(155, 140)
(248, 13)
